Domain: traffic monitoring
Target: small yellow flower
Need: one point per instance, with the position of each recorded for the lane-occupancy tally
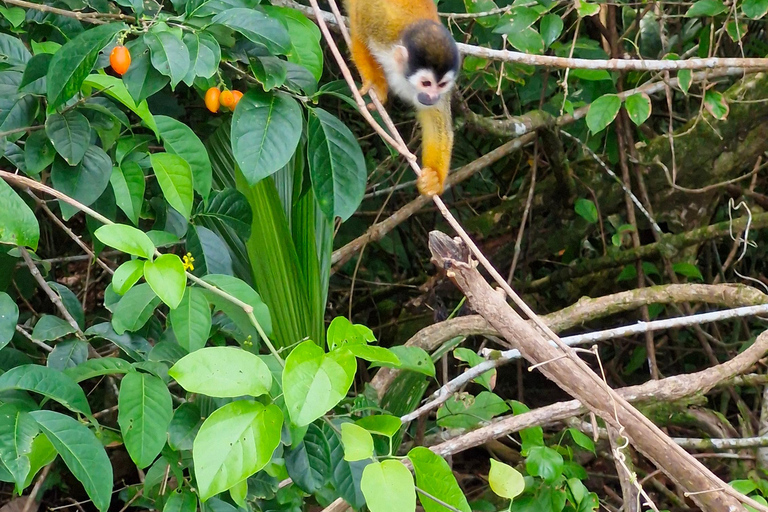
(188, 262)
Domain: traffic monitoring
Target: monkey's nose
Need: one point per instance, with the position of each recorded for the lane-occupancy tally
(427, 99)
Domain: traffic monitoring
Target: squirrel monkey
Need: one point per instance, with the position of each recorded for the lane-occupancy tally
(401, 45)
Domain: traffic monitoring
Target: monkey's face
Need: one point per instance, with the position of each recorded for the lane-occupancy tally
(428, 88)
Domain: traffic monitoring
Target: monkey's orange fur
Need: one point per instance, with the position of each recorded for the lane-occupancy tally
(381, 23)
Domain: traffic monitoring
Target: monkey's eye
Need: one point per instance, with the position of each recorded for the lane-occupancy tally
(443, 83)
(426, 83)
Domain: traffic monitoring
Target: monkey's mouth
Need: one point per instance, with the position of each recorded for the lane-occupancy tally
(427, 99)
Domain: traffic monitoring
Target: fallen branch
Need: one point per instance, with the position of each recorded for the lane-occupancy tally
(560, 365)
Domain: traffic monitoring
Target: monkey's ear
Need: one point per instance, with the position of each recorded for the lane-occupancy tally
(401, 55)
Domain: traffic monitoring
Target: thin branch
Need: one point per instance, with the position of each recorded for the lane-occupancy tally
(90, 17)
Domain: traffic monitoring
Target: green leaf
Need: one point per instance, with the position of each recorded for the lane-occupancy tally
(487, 379)
(179, 139)
(305, 39)
(586, 9)
(98, 367)
(754, 9)
(602, 112)
(17, 432)
(382, 424)
(71, 302)
(35, 71)
(134, 309)
(223, 372)
(551, 27)
(716, 104)
(233, 443)
(9, 317)
(684, 78)
(38, 152)
(231, 208)
(388, 487)
(169, 54)
(174, 176)
(505, 480)
(127, 239)
(527, 40)
(134, 346)
(115, 88)
(358, 443)
(544, 462)
(336, 165)
(342, 332)
(67, 354)
(50, 328)
(586, 209)
(144, 410)
(309, 463)
(434, 476)
(463, 411)
(314, 382)
(706, 8)
(688, 270)
(13, 51)
(582, 440)
(184, 426)
(181, 500)
(128, 183)
(142, 80)
(49, 383)
(266, 129)
(638, 107)
(18, 225)
(204, 55)
(257, 27)
(82, 453)
(127, 275)
(15, 15)
(239, 289)
(374, 354)
(85, 182)
(167, 278)
(70, 135)
(211, 254)
(415, 359)
(74, 61)
(191, 320)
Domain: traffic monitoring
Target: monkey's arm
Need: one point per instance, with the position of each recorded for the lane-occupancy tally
(369, 68)
(436, 146)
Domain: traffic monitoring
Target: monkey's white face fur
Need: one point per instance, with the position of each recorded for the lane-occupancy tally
(422, 88)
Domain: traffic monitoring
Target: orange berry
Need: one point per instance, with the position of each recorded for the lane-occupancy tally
(227, 99)
(238, 95)
(212, 99)
(120, 59)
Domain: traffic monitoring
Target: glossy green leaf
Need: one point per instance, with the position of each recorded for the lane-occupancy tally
(174, 176)
(98, 367)
(257, 27)
(211, 254)
(167, 278)
(544, 462)
(13, 51)
(179, 139)
(50, 328)
(181, 500)
(85, 182)
(435, 477)
(115, 88)
(382, 424)
(142, 80)
(128, 183)
(191, 320)
(38, 152)
(463, 411)
(582, 439)
(204, 55)
(82, 453)
(184, 426)
(234, 443)
(70, 301)
(48, 382)
(487, 379)
(586, 209)
(18, 225)
(602, 112)
(74, 61)
(688, 270)
(169, 54)
(309, 463)
(358, 442)
(70, 134)
(231, 208)
(754, 9)
(9, 317)
(245, 293)
(415, 359)
(551, 27)
(266, 129)
(314, 382)
(388, 487)
(67, 354)
(127, 239)
(336, 165)
(223, 372)
(716, 104)
(706, 8)
(127, 275)
(42, 454)
(17, 431)
(134, 309)
(638, 107)
(505, 480)
(305, 39)
(144, 412)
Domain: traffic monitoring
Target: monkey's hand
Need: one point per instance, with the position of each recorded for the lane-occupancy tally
(430, 183)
